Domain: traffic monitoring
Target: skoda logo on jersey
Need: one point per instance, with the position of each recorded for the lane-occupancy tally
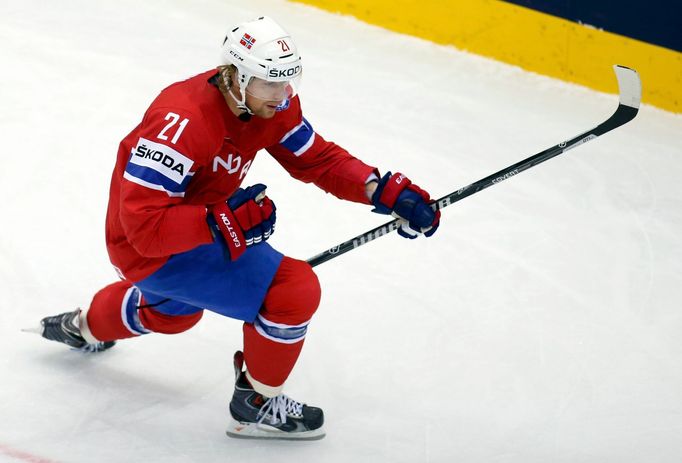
(147, 153)
(156, 157)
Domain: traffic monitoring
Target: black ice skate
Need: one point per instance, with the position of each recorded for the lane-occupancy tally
(257, 417)
(65, 328)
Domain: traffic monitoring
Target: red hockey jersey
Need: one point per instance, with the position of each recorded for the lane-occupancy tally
(189, 152)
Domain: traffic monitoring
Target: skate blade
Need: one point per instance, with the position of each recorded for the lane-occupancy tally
(37, 330)
(254, 431)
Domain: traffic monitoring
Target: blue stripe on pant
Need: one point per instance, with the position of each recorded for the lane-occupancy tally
(129, 313)
(279, 332)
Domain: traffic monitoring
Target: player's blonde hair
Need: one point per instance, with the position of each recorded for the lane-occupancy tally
(227, 72)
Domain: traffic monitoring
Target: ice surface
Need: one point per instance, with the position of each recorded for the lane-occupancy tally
(541, 323)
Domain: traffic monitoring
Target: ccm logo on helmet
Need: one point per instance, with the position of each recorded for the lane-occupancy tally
(284, 72)
(236, 55)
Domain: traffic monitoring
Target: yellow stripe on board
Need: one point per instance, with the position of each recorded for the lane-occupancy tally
(532, 40)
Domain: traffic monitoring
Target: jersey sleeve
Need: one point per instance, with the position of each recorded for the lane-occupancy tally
(312, 159)
(167, 149)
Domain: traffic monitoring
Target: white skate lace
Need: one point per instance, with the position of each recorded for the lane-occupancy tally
(280, 407)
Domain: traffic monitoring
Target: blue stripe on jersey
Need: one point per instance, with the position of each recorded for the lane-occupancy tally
(300, 137)
(153, 177)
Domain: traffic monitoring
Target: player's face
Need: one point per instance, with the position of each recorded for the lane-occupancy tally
(263, 97)
(262, 108)
(269, 91)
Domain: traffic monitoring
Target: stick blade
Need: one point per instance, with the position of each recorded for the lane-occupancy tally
(629, 86)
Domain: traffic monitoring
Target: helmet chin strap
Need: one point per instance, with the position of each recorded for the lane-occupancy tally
(241, 103)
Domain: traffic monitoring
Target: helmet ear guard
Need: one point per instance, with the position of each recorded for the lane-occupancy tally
(261, 49)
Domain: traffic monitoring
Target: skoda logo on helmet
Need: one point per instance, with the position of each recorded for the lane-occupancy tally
(282, 73)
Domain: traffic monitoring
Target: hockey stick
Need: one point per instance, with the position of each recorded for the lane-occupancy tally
(630, 90)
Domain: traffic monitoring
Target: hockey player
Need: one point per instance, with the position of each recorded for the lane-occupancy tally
(185, 237)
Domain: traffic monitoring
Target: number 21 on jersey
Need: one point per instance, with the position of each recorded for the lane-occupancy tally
(174, 118)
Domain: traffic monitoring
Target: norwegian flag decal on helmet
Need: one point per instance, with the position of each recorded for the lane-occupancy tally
(247, 41)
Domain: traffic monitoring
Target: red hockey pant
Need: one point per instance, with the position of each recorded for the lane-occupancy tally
(272, 343)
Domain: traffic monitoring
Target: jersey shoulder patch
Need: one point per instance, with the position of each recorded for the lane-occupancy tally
(159, 167)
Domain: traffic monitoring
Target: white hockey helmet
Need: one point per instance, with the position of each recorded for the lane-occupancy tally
(267, 60)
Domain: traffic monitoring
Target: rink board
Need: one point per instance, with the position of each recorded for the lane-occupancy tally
(533, 40)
